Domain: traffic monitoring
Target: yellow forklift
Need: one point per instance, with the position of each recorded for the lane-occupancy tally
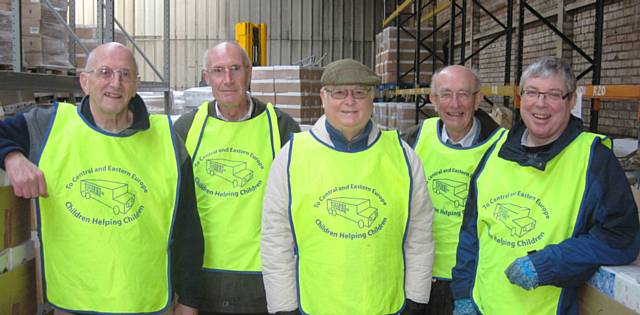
(253, 39)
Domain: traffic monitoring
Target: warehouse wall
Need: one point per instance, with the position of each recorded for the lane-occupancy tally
(620, 55)
(297, 29)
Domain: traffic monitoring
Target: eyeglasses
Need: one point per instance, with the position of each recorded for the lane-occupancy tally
(357, 93)
(219, 72)
(461, 96)
(552, 96)
(106, 73)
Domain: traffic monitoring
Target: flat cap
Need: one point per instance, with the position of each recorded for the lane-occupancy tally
(348, 72)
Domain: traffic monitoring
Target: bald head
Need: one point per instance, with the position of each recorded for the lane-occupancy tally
(227, 48)
(458, 72)
(110, 49)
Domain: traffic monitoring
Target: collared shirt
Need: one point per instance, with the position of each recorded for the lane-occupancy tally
(246, 116)
(341, 143)
(468, 140)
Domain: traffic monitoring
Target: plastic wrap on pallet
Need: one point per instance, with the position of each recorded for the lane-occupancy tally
(6, 48)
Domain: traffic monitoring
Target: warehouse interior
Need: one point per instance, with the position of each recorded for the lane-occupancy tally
(44, 45)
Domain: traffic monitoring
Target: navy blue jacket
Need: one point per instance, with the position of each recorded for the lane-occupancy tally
(606, 232)
(187, 245)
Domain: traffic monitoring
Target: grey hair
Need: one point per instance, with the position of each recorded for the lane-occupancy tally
(474, 73)
(205, 58)
(549, 66)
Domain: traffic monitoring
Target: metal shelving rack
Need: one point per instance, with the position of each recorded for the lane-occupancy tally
(507, 91)
(16, 79)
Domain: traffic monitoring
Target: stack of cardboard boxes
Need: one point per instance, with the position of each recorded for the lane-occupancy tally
(17, 265)
(400, 116)
(44, 37)
(293, 89)
(89, 38)
(388, 49)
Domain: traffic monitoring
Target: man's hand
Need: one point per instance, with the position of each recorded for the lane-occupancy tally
(522, 273)
(25, 177)
(464, 307)
(181, 309)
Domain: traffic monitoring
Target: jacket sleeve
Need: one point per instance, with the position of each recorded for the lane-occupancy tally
(187, 242)
(606, 232)
(419, 246)
(14, 136)
(464, 271)
(276, 244)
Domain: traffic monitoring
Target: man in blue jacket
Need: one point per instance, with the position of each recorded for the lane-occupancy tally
(547, 206)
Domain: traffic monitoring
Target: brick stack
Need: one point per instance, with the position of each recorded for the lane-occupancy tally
(44, 38)
(388, 50)
(89, 38)
(292, 89)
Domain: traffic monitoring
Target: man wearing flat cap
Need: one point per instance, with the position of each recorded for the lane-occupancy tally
(346, 224)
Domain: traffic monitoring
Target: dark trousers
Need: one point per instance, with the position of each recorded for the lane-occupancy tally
(441, 299)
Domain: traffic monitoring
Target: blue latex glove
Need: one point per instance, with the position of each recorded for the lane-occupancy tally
(522, 273)
(464, 307)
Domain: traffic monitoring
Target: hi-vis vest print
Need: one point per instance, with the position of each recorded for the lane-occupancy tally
(349, 213)
(448, 171)
(523, 210)
(231, 162)
(106, 225)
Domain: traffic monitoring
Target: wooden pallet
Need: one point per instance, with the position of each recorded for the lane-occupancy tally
(52, 70)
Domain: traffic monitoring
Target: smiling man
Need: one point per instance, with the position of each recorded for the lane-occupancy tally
(450, 147)
(548, 204)
(232, 141)
(346, 227)
(116, 210)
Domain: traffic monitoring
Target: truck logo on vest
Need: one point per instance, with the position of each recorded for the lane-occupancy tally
(452, 190)
(351, 212)
(235, 172)
(358, 210)
(114, 195)
(515, 218)
(228, 172)
(92, 199)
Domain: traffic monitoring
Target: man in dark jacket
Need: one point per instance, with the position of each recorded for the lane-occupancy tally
(114, 196)
(548, 205)
(232, 141)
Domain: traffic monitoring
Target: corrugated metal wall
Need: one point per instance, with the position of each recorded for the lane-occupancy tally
(297, 29)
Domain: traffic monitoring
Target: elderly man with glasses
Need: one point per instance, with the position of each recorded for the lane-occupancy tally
(346, 226)
(548, 205)
(450, 147)
(114, 196)
(232, 141)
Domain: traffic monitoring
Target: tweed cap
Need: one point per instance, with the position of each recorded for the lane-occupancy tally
(348, 72)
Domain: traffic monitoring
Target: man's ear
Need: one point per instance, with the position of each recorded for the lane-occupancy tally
(84, 77)
(478, 99)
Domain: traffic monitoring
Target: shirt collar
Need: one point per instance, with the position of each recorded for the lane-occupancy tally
(341, 143)
(468, 140)
(246, 116)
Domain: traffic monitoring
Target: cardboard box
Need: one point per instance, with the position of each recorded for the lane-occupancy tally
(295, 98)
(30, 27)
(32, 43)
(301, 111)
(302, 86)
(18, 290)
(263, 85)
(14, 217)
(593, 302)
(31, 10)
